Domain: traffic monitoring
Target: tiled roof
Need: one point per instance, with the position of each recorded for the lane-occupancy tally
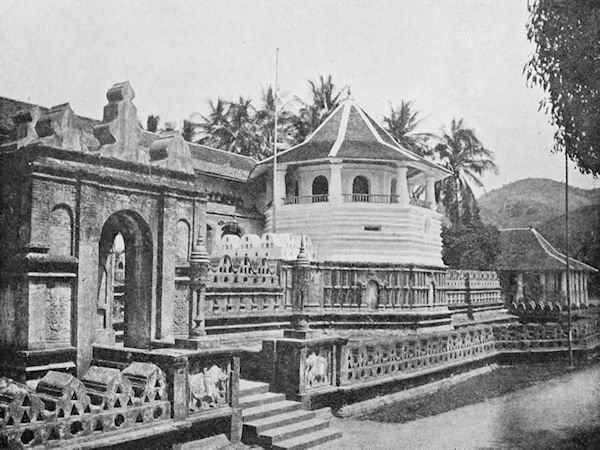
(350, 133)
(221, 162)
(524, 249)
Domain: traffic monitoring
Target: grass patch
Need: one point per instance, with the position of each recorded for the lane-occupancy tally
(496, 383)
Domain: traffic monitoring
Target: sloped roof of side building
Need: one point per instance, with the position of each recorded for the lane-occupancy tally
(526, 250)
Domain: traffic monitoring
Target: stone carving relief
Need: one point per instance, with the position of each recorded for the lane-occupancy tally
(58, 313)
(316, 371)
(208, 389)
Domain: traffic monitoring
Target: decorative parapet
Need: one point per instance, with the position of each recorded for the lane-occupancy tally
(63, 408)
(536, 337)
(382, 288)
(119, 134)
(242, 286)
(55, 128)
(171, 151)
(367, 360)
(473, 287)
(272, 246)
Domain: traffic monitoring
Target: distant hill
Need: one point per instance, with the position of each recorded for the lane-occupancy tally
(532, 202)
(584, 232)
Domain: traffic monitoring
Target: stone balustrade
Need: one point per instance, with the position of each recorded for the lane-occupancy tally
(325, 369)
(62, 408)
(473, 287)
(376, 359)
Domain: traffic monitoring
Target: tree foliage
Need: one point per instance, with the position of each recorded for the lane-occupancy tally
(566, 65)
(461, 152)
(325, 97)
(470, 245)
(241, 127)
(402, 123)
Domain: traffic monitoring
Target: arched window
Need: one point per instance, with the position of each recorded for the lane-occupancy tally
(360, 189)
(182, 236)
(320, 189)
(393, 193)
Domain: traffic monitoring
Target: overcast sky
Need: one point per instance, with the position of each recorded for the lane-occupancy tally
(459, 58)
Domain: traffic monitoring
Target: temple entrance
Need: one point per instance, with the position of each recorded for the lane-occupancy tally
(125, 281)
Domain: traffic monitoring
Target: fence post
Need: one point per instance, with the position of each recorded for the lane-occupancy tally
(468, 295)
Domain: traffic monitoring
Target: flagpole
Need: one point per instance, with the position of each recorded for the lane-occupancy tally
(274, 203)
(570, 340)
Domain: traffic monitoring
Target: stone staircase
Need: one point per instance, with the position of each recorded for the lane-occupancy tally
(273, 422)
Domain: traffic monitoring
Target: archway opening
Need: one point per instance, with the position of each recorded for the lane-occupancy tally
(360, 189)
(320, 189)
(125, 280)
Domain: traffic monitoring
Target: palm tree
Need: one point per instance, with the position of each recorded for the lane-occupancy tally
(325, 98)
(402, 123)
(266, 117)
(214, 129)
(464, 155)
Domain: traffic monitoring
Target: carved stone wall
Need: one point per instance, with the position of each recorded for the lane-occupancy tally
(396, 287)
(63, 408)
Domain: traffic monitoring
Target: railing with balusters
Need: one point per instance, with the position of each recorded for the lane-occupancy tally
(370, 198)
(296, 200)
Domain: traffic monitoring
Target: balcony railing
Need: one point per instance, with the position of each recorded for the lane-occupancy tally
(419, 202)
(356, 198)
(322, 198)
(370, 198)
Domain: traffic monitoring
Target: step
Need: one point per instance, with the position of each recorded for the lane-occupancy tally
(274, 435)
(259, 426)
(308, 440)
(248, 387)
(270, 409)
(248, 401)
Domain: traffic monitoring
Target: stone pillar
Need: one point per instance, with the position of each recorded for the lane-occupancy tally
(543, 284)
(519, 286)
(301, 280)
(578, 287)
(199, 272)
(335, 183)
(585, 289)
(563, 285)
(199, 264)
(279, 193)
(430, 192)
(402, 186)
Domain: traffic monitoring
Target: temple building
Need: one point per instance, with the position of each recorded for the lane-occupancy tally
(154, 290)
(99, 219)
(531, 269)
(358, 194)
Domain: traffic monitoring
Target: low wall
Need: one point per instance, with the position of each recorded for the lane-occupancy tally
(333, 372)
(245, 294)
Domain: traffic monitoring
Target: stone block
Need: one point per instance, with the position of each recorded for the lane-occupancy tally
(171, 151)
(63, 394)
(57, 128)
(108, 388)
(147, 380)
(119, 134)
